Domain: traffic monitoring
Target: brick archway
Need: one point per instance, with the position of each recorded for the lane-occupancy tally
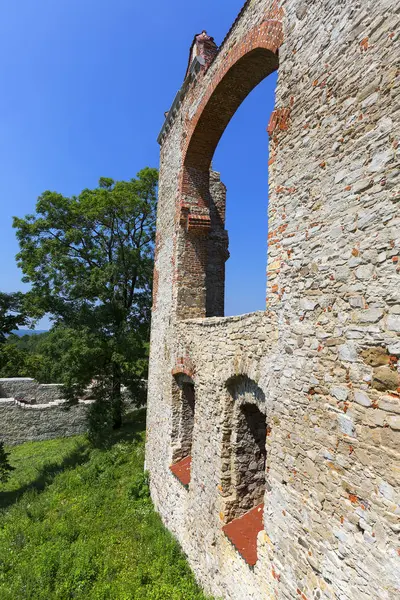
(252, 60)
(203, 243)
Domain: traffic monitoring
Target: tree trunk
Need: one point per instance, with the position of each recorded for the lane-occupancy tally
(116, 399)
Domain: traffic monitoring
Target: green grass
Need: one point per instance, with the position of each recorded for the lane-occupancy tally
(78, 523)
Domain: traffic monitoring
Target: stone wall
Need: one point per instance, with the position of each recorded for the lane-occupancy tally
(322, 362)
(30, 390)
(30, 423)
(30, 411)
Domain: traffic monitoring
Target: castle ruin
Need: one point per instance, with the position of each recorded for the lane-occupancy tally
(273, 438)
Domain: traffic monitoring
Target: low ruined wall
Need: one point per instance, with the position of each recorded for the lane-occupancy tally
(29, 390)
(49, 392)
(30, 411)
(27, 423)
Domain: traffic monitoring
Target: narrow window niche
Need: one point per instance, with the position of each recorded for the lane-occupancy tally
(183, 410)
(243, 480)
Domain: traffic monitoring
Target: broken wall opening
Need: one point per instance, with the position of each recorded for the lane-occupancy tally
(183, 414)
(243, 479)
(249, 457)
(183, 417)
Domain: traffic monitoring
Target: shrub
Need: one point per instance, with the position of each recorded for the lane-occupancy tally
(5, 467)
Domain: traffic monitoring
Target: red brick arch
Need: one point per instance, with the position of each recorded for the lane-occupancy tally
(183, 366)
(202, 239)
(251, 60)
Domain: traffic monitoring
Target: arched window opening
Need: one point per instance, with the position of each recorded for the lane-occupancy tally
(182, 427)
(242, 160)
(243, 478)
(204, 240)
(187, 419)
(249, 457)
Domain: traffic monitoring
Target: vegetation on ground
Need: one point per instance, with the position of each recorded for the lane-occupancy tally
(78, 523)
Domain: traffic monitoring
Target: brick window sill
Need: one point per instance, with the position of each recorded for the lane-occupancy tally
(243, 532)
(181, 470)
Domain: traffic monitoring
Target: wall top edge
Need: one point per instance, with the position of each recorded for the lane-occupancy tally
(13, 379)
(50, 405)
(210, 321)
(197, 63)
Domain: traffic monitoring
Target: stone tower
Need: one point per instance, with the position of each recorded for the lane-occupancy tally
(273, 437)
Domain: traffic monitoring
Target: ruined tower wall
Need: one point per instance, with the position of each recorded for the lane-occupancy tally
(325, 353)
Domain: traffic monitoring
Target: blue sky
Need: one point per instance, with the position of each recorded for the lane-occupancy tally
(85, 84)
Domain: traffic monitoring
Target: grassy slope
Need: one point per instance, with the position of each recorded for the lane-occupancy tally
(78, 523)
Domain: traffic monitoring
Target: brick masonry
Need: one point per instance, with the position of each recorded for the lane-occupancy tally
(321, 363)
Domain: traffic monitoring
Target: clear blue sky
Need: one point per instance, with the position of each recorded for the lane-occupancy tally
(84, 86)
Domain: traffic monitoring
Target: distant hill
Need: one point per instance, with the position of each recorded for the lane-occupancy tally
(22, 332)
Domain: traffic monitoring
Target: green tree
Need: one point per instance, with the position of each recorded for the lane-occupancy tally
(20, 357)
(89, 259)
(12, 313)
(13, 361)
(29, 342)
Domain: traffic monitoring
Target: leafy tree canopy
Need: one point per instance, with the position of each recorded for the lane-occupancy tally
(12, 313)
(89, 260)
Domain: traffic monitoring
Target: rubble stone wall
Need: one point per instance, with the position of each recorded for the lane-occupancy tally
(36, 422)
(325, 353)
(31, 391)
(30, 411)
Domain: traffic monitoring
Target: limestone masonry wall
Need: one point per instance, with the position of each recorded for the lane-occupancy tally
(319, 370)
(30, 411)
(30, 390)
